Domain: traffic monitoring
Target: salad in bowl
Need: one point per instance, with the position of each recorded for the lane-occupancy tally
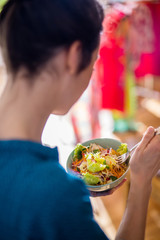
(95, 162)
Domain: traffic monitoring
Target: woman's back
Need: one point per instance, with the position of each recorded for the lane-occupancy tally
(38, 200)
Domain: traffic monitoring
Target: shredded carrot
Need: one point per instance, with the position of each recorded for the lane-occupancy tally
(113, 170)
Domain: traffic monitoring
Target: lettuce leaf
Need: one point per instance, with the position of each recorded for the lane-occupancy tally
(90, 179)
(78, 151)
(110, 161)
(98, 159)
(95, 167)
(122, 149)
(113, 178)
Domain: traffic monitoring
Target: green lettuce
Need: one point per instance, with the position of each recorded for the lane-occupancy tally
(122, 148)
(90, 179)
(95, 167)
(98, 159)
(78, 152)
(113, 178)
(110, 161)
(2, 2)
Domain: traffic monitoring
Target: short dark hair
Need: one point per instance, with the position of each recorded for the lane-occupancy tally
(32, 31)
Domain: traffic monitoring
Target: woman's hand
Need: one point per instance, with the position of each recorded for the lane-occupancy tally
(145, 162)
(107, 192)
(158, 173)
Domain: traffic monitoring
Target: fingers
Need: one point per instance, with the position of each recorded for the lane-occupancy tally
(107, 192)
(100, 194)
(158, 173)
(147, 137)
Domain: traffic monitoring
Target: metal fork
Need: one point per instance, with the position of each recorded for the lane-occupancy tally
(121, 159)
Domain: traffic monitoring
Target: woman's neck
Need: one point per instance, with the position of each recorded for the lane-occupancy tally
(22, 113)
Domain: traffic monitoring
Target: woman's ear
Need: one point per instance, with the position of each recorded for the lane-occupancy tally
(74, 56)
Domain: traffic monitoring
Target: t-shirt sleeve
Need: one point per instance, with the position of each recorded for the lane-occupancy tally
(76, 217)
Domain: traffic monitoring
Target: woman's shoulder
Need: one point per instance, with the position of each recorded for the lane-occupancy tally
(39, 170)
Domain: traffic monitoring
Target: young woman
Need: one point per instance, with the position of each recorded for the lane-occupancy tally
(49, 48)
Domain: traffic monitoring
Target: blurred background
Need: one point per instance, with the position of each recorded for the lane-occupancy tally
(121, 101)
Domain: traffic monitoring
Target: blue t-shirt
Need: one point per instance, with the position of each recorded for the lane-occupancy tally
(38, 199)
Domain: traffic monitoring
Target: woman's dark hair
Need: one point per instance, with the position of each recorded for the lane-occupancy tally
(32, 31)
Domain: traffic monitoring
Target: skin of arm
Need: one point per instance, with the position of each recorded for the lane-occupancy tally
(134, 220)
(144, 165)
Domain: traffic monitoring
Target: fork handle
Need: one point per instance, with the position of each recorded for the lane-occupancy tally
(135, 146)
(157, 132)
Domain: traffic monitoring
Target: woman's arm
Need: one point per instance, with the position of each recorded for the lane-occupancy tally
(144, 165)
(132, 226)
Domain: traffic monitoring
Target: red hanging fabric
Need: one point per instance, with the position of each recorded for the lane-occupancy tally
(109, 68)
(145, 39)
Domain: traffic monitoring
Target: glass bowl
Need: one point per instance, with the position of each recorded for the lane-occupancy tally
(105, 143)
